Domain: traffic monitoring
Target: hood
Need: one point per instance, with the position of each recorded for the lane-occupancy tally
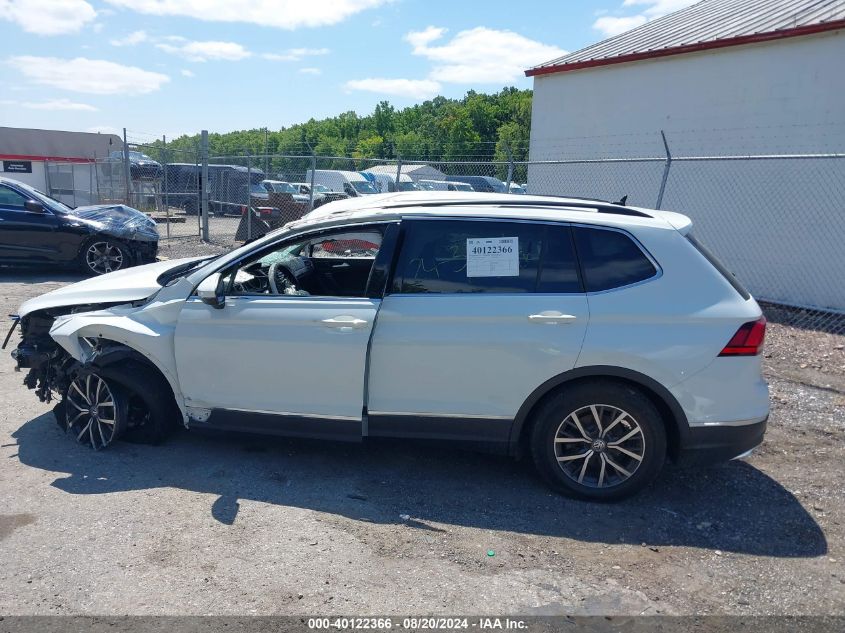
(122, 286)
(117, 220)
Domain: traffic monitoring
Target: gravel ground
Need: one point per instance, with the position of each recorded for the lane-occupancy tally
(228, 524)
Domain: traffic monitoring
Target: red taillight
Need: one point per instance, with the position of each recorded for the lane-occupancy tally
(748, 340)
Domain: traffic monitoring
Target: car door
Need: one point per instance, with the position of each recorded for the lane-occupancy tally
(26, 235)
(472, 324)
(289, 364)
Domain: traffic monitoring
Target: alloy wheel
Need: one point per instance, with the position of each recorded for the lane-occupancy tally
(104, 257)
(599, 446)
(92, 411)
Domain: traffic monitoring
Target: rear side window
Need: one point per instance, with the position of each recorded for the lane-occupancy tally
(718, 265)
(610, 259)
(11, 199)
(446, 256)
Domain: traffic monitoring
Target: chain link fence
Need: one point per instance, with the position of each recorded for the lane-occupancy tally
(777, 221)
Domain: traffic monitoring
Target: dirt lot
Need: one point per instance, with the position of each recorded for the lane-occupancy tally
(243, 525)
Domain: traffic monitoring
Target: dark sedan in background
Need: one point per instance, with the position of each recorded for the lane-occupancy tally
(141, 166)
(37, 229)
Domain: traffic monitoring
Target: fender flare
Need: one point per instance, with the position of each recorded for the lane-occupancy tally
(679, 420)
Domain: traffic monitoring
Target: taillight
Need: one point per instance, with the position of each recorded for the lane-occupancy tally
(748, 340)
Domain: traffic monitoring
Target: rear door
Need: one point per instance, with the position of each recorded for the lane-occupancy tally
(479, 314)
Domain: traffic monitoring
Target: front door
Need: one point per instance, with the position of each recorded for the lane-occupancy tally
(288, 356)
(25, 235)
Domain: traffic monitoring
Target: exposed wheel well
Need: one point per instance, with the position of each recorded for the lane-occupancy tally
(114, 352)
(670, 412)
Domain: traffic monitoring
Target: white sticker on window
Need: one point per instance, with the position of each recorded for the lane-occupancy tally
(493, 257)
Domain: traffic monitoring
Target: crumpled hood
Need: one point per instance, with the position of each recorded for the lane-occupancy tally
(118, 220)
(122, 286)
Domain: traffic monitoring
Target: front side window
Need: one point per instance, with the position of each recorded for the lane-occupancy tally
(330, 264)
(468, 256)
(610, 259)
(11, 199)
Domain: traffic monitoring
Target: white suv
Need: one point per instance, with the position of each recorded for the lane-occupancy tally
(598, 338)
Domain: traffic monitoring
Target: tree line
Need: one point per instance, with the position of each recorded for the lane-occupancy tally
(478, 126)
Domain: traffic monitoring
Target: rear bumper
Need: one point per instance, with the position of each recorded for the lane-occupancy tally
(719, 443)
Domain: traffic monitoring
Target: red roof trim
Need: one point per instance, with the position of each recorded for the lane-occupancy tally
(689, 48)
(55, 159)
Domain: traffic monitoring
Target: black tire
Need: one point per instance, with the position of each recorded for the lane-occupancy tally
(557, 440)
(152, 413)
(111, 248)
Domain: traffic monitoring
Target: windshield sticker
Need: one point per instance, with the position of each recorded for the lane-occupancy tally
(493, 257)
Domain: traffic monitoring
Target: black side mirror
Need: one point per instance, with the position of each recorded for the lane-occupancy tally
(33, 206)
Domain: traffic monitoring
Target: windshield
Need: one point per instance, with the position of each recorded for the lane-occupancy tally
(409, 186)
(139, 156)
(257, 189)
(284, 187)
(51, 203)
(321, 189)
(363, 186)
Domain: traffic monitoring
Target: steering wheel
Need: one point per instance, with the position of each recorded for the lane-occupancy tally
(282, 280)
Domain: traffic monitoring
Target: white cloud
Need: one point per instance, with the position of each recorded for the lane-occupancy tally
(414, 88)
(480, 55)
(133, 39)
(295, 54)
(610, 25)
(48, 17)
(311, 71)
(59, 104)
(187, 73)
(92, 76)
(204, 51)
(284, 14)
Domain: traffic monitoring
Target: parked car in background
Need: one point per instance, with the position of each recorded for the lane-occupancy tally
(386, 183)
(280, 186)
(517, 189)
(322, 194)
(442, 185)
(352, 183)
(599, 339)
(98, 239)
(141, 166)
(481, 183)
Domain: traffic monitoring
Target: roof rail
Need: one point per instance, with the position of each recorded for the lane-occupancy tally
(574, 203)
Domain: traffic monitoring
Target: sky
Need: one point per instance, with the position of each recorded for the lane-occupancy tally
(172, 67)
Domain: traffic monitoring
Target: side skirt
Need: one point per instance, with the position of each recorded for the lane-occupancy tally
(285, 424)
(487, 434)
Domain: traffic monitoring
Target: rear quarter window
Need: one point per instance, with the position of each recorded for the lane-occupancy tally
(610, 259)
(718, 265)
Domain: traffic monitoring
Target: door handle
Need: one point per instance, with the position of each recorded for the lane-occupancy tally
(551, 317)
(344, 322)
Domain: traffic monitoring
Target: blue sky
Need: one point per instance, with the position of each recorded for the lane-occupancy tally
(176, 66)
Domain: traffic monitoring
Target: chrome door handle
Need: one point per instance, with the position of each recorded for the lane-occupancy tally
(549, 316)
(347, 322)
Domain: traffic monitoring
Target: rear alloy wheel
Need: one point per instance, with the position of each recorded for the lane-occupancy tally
(94, 412)
(602, 441)
(103, 256)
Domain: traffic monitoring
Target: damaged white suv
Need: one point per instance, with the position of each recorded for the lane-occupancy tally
(598, 338)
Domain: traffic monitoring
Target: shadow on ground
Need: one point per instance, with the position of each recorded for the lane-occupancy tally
(732, 507)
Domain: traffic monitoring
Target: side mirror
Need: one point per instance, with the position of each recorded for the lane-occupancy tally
(210, 291)
(34, 206)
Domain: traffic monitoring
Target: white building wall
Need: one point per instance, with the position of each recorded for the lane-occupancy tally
(777, 224)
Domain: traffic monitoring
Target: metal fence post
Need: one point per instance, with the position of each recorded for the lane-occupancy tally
(126, 172)
(248, 197)
(311, 188)
(510, 167)
(665, 171)
(204, 182)
(398, 170)
(166, 198)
